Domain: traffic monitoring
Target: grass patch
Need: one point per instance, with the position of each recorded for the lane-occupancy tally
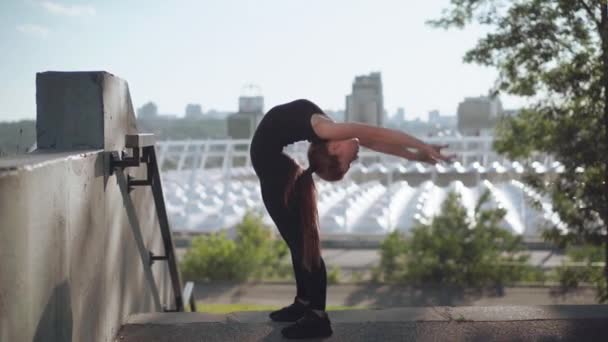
(227, 308)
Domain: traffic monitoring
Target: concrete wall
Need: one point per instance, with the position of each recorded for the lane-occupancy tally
(69, 266)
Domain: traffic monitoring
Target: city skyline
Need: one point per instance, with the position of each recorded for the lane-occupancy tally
(205, 52)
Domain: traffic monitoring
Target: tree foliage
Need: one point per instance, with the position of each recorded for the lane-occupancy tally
(554, 53)
(582, 267)
(17, 137)
(455, 249)
(253, 254)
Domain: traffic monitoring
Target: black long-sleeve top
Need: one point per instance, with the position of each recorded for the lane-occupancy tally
(282, 125)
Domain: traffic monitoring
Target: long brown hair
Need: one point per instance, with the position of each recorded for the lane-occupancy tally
(301, 192)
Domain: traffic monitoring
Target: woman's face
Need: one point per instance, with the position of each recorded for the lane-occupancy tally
(345, 150)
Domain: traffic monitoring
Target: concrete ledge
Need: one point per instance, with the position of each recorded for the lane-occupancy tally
(35, 160)
(547, 323)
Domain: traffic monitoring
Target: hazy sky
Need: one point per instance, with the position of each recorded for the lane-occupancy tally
(179, 52)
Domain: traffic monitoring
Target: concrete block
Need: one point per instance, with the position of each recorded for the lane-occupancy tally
(140, 140)
(82, 110)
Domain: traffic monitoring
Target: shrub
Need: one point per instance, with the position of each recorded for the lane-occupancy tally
(584, 270)
(253, 254)
(392, 252)
(357, 276)
(333, 276)
(454, 250)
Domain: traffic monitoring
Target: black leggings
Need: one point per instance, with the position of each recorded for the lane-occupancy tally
(311, 286)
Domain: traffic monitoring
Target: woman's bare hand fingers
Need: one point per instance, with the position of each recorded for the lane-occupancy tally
(432, 154)
(438, 157)
(438, 148)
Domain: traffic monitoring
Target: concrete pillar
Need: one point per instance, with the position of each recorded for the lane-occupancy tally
(82, 111)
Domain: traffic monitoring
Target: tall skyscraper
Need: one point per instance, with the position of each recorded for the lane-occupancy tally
(366, 104)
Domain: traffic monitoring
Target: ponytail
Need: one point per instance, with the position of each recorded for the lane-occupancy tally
(301, 195)
(304, 195)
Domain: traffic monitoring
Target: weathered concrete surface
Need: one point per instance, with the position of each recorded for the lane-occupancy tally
(69, 268)
(507, 323)
(82, 110)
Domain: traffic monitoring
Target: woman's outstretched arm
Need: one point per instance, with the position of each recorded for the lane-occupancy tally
(380, 139)
(367, 134)
(391, 149)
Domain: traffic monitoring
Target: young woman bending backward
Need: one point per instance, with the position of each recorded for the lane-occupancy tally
(289, 194)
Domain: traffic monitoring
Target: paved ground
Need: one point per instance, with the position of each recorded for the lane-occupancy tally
(387, 296)
(497, 323)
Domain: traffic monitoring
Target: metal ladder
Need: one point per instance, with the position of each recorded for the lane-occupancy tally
(143, 151)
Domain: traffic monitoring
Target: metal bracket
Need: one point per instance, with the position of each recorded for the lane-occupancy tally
(125, 160)
(153, 257)
(135, 142)
(132, 182)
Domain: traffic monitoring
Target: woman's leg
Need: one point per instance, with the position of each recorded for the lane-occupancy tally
(289, 229)
(315, 322)
(312, 285)
(300, 276)
(316, 286)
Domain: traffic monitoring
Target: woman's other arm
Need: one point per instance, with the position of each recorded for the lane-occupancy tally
(367, 134)
(419, 155)
(380, 139)
(391, 149)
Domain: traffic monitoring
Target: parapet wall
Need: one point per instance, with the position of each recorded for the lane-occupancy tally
(70, 269)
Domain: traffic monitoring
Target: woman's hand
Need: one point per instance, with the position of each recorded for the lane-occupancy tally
(431, 153)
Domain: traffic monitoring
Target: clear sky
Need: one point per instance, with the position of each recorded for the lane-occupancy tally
(200, 51)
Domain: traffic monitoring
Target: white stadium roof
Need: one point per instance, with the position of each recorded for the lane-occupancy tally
(213, 199)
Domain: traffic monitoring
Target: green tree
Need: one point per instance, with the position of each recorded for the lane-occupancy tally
(392, 251)
(260, 253)
(555, 53)
(254, 253)
(17, 137)
(456, 250)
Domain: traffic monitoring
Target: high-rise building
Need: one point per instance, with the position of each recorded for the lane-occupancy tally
(147, 111)
(366, 104)
(479, 115)
(194, 111)
(434, 116)
(336, 115)
(399, 116)
(442, 121)
(242, 125)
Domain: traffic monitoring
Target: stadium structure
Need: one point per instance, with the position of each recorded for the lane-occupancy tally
(210, 185)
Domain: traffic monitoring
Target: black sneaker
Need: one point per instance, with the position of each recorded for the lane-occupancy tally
(289, 313)
(309, 326)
